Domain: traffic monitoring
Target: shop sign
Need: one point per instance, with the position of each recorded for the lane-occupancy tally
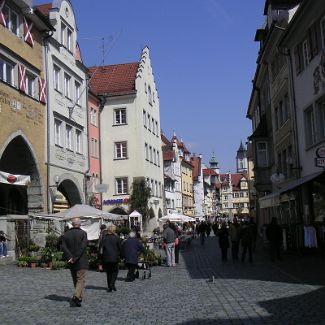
(320, 157)
(320, 162)
(117, 201)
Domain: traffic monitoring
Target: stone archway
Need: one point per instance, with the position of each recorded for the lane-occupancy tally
(70, 191)
(18, 158)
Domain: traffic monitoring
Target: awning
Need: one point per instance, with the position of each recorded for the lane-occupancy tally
(300, 181)
(270, 200)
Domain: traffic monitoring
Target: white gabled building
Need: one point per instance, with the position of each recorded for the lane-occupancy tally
(198, 186)
(67, 149)
(130, 133)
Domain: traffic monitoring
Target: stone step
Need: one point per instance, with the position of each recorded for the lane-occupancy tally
(7, 260)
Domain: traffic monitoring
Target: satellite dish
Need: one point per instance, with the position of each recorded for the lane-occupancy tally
(277, 178)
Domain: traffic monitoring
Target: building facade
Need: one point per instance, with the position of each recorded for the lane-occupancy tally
(198, 185)
(94, 181)
(130, 133)
(23, 177)
(67, 144)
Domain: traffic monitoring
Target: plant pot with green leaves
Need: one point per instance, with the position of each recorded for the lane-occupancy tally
(22, 261)
(32, 261)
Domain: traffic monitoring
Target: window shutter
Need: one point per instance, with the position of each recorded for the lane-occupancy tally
(27, 32)
(2, 17)
(22, 77)
(42, 90)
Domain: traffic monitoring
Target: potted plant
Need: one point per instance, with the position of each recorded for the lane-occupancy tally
(33, 248)
(32, 261)
(22, 261)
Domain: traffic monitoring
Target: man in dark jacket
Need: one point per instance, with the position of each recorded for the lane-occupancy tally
(274, 235)
(74, 246)
(131, 249)
(169, 240)
(109, 255)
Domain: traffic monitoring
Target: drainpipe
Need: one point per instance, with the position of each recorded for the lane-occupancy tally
(48, 158)
(86, 175)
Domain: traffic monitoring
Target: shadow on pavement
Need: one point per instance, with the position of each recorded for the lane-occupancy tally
(57, 298)
(295, 310)
(91, 287)
(205, 262)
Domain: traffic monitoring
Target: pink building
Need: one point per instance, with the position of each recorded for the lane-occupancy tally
(94, 150)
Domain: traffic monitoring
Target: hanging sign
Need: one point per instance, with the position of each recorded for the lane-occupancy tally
(11, 179)
(320, 160)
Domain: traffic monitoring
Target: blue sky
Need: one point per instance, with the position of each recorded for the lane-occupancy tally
(203, 55)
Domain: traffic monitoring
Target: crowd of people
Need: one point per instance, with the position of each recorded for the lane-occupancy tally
(235, 235)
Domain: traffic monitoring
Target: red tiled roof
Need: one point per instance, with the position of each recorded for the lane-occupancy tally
(168, 155)
(118, 79)
(165, 140)
(44, 8)
(209, 172)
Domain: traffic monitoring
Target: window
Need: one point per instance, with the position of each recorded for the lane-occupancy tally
(78, 141)
(69, 39)
(63, 34)
(68, 137)
(150, 154)
(56, 77)
(322, 26)
(120, 116)
(77, 92)
(67, 81)
(57, 132)
(94, 148)
(120, 150)
(157, 130)
(152, 188)
(321, 118)
(121, 185)
(93, 116)
(305, 49)
(30, 85)
(153, 125)
(149, 123)
(226, 198)
(12, 19)
(299, 62)
(154, 157)
(6, 71)
(262, 158)
(158, 158)
(149, 95)
(146, 152)
(310, 126)
(156, 188)
(241, 194)
(144, 118)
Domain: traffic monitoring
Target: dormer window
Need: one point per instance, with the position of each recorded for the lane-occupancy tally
(66, 37)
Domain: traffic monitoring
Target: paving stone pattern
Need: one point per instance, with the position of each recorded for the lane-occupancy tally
(200, 290)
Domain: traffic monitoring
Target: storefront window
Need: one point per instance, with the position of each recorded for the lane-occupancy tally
(319, 201)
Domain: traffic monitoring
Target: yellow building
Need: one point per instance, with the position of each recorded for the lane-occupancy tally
(187, 188)
(23, 178)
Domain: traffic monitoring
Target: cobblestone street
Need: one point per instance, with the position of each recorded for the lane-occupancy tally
(258, 293)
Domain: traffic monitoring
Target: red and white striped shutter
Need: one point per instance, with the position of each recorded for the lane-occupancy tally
(2, 17)
(42, 90)
(22, 77)
(27, 32)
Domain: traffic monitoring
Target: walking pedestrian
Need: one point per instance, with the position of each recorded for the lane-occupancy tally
(109, 256)
(223, 241)
(169, 240)
(74, 246)
(246, 237)
(201, 230)
(275, 238)
(234, 238)
(131, 248)
(3, 244)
